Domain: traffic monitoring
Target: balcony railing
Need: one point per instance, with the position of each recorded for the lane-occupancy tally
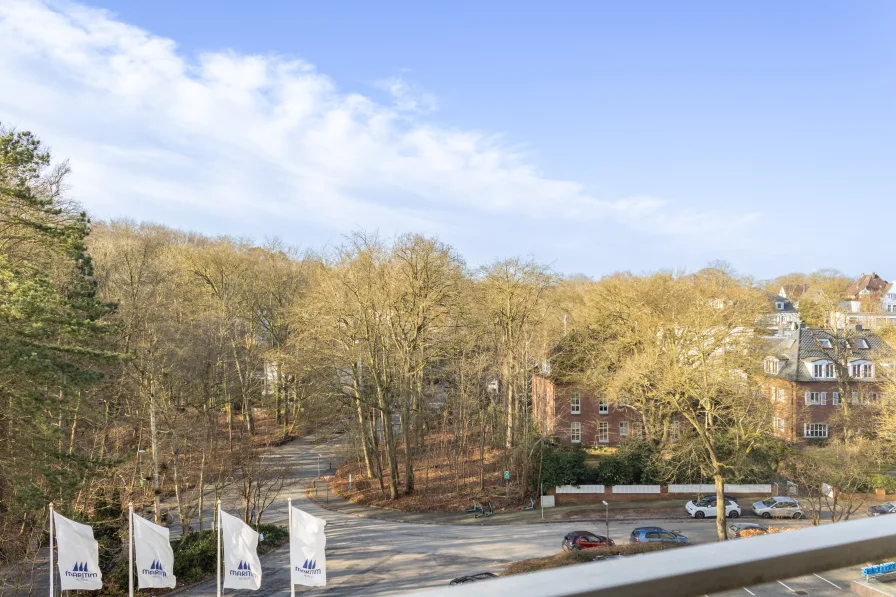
(704, 569)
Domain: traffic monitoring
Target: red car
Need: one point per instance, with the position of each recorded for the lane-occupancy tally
(584, 540)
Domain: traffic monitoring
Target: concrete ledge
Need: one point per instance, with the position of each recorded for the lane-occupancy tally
(866, 589)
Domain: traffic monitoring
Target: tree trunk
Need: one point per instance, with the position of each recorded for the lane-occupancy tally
(201, 503)
(721, 528)
(389, 436)
(408, 455)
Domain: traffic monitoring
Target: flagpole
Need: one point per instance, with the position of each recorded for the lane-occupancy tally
(219, 548)
(52, 580)
(130, 549)
(292, 586)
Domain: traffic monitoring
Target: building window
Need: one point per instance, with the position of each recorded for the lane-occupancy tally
(779, 395)
(575, 432)
(675, 431)
(623, 400)
(855, 398)
(862, 343)
(835, 399)
(779, 306)
(861, 370)
(623, 428)
(603, 432)
(771, 366)
(823, 370)
(816, 398)
(603, 407)
(872, 397)
(576, 403)
(815, 430)
(779, 425)
(638, 429)
(825, 343)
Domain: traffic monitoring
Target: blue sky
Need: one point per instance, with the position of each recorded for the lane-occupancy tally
(595, 136)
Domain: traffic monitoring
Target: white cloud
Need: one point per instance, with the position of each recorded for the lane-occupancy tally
(153, 133)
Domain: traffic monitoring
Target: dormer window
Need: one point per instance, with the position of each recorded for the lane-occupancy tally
(779, 306)
(862, 343)
(824, 343)
(823, 370)
(770, 365)
(861, 370)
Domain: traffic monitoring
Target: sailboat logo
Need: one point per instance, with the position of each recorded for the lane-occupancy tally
(309, 567)
(243, 570)
(155, 569)
(80, 571)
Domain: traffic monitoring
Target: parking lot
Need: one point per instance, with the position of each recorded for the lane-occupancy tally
(829, 584)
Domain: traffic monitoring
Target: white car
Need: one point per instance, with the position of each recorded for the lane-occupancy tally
(778, 507)
(707, 508)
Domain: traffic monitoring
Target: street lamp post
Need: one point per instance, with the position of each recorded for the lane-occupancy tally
(607, 518)
(318, 465)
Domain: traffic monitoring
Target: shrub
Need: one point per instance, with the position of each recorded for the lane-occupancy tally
(563, 466)
(884, 482)
(570, 558)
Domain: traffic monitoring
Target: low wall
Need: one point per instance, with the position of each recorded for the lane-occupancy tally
(566, 495)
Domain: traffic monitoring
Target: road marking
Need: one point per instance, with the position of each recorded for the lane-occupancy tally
(749, 591)
(829, 582)
(786, 587)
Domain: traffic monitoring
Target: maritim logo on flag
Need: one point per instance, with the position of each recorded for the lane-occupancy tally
(243, 570)
(80, 571)
(309, 567)
(155, 569)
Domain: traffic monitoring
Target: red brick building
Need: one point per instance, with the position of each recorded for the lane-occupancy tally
(801, 379)
(570, 415)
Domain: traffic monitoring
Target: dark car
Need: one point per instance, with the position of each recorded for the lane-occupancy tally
(888, 508)
(584, 540)
(737, 528)
(656, 535)
(480, 576)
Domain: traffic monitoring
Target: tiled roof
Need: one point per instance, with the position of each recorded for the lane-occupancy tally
(788, 305)
(873, 283)
(803, 345)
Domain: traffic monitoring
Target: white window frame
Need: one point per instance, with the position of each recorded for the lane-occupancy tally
(771, 365)
(780, 394)
(779, 306)
(603, 432)
(623, 428)
(779, 425)
(815, 430)
(675, 431)
(835, 399)
(823, 370)
(603, 407)
(816, 398)
(575, 404)
(638, 429)
(575, 432)
(825, 343)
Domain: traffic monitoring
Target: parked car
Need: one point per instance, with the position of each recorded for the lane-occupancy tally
(778, 507)
(480, 576)
(656, 534)
(888, 508)
(737, 528)
(707, 507)
(712, 498)
(584, 540)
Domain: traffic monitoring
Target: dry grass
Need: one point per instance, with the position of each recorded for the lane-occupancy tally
(445, 482)
(571, 558)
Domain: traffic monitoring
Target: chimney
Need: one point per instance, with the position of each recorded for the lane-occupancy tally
(859, 328)
(802, 325)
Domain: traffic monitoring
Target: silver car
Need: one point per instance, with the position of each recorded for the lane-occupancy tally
(778, 507)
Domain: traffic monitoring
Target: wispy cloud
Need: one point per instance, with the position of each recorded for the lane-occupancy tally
(243, 138)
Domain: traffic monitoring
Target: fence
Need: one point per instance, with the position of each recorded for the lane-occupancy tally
(637, 489)
(703, 569)
(580, 489)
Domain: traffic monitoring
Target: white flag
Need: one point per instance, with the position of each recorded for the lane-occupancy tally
(154, 556)
(307, 549)
(79, 556)
(242, 568)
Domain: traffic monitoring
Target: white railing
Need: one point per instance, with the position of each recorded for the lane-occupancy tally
(580, 489)
(637, 489)
(704, 569)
